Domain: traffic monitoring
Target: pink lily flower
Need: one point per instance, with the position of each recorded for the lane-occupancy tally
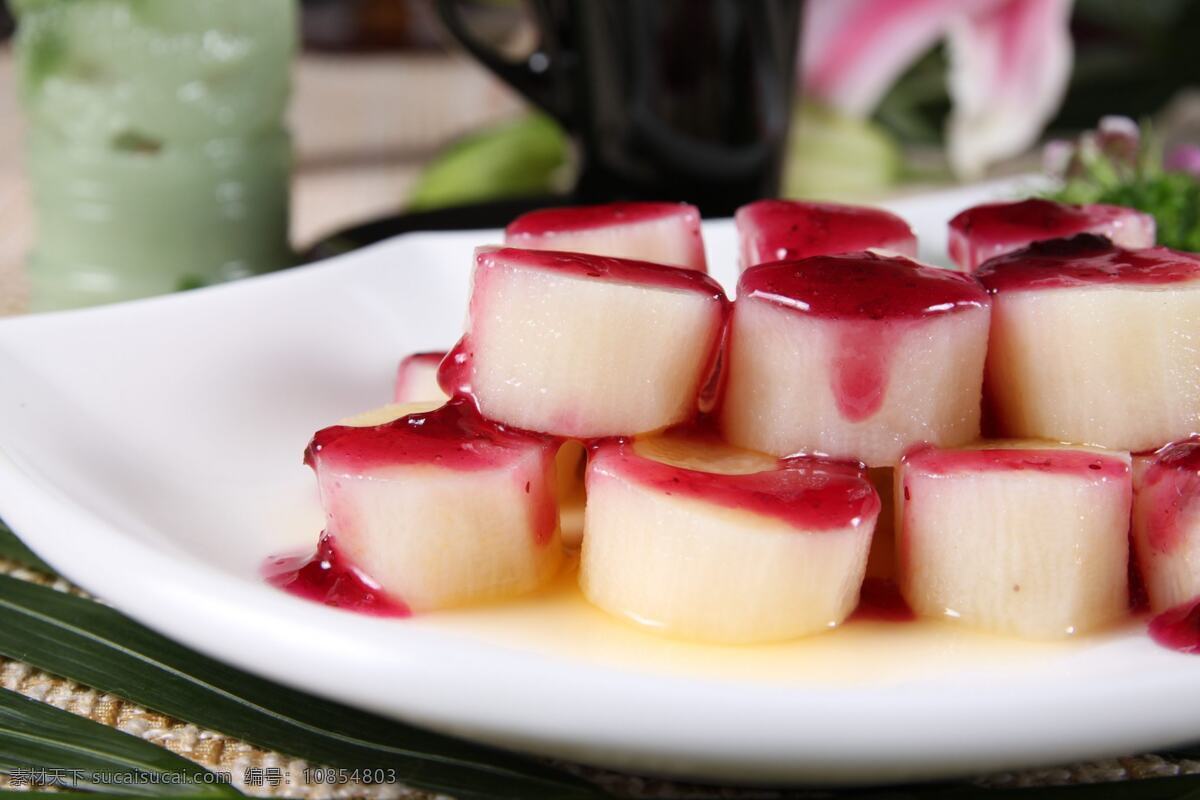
(1009, 64)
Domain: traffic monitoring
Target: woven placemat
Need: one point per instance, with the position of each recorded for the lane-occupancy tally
(251, 769)
(263, 773)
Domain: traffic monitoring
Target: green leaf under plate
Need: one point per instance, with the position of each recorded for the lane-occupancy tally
(39, 738)
(97, 646)
(14, 549)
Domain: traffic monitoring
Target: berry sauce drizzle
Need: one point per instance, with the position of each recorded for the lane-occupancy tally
(454, 373)
(1139, 598)
(860, 380)
(551, 221)
(880, 601)
(453, 436)
(1086, 260)
(813, 494)
(1172, 481)
(1179, 628)
(779, 230)
(327, 577)
(929, 460)
(991, 230)
(873, 298)
(862, 286)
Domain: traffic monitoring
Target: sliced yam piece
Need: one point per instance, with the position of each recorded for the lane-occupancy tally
(785, 230)
(1094, 343)
(855, 356)
(569, 465)
(987, 231)
(663, 233)
(416, 379)
(707, 542)
(441, 508)
(585, 346)
(1023, 538)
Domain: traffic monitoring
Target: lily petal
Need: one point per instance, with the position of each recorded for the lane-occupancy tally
(1009, 67)
(854, 50)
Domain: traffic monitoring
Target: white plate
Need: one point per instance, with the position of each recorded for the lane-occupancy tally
(151, 452)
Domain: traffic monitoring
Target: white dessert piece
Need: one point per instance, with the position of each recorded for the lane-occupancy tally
(708, 542)
(785, 230)
(855, 356)
(583, 346)
(1022, 538)
(1095, 344)
(440, 508)
(987, 231)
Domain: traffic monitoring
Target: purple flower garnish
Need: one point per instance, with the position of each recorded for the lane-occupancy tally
(1184, 158)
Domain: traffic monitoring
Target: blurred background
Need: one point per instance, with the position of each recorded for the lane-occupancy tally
(388, 113)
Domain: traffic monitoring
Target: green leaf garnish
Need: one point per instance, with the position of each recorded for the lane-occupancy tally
(15, 550)
(1172, 198)
(41, 739)
(1136, 181)
(97, 646)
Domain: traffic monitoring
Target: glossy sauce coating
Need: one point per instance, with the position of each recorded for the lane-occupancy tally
(808, 494)
(875, 299)
(327, 577)
(930, 461)
(862, 286)
(455, 373)
(861, 360)
(1086, 260)
(1173, 478)
(548, 221)
(779, 230)
(454, 436)
(604, 268)
(1037, 217)
(1179, 628)
(989, 230)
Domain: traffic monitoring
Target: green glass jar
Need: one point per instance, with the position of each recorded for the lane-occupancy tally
(157, 151)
